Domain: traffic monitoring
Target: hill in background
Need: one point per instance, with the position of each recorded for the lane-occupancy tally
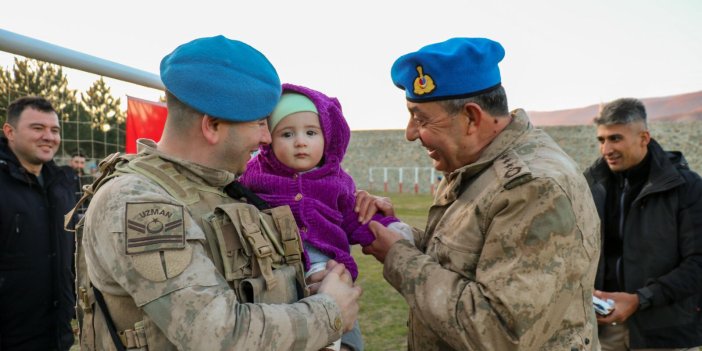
(684, 107)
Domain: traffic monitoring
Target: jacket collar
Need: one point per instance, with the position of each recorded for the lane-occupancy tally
(6, 153)
(663, 174)
(455, 180)
(193, 171)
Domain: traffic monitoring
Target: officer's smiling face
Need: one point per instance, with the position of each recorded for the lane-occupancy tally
(441, 134)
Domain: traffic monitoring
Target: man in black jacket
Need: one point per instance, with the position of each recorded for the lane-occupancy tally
(75, 170)
(650, 206)
(36, 283)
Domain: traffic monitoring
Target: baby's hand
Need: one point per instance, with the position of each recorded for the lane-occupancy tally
(314, 277)
(368, 205)
(404, 229)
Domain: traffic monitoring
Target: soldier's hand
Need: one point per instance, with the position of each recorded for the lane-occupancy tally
(367, 205)
(315, 280)
(625, 305)
(337, 284)
(384, 239)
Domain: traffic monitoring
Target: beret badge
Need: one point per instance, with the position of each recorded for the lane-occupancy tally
(423, 84)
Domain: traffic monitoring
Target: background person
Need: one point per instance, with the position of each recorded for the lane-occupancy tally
(77, 162)
(36, 254)
(76, 169)
(509, 252)
(650, 205)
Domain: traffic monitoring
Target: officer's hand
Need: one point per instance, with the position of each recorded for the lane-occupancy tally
(625, 305)
(337, 284)
(384, 239)
(367, 205)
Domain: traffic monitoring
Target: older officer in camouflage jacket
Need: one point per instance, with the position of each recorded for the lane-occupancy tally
(165, 269)
(508, 257)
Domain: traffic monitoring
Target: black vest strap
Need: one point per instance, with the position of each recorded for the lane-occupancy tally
(237, 191)
(108, 319)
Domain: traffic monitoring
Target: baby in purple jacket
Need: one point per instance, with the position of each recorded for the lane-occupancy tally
(302, 168)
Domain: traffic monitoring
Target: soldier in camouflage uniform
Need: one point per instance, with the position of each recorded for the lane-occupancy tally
(508, 257)
(168, 260)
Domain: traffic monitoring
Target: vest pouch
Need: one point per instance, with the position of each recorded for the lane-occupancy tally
(246, 243)
(262, 248)
(145, 336)
(253, 290)
(232, 258)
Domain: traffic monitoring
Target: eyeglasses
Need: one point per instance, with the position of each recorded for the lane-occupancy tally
(421, 122)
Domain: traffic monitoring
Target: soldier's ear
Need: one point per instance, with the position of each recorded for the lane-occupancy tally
(210, 127)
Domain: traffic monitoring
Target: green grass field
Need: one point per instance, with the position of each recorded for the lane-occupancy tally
(383, 316)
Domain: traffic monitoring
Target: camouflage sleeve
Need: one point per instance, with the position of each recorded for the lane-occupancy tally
(180, 289)
(209, 318)
(521, 285)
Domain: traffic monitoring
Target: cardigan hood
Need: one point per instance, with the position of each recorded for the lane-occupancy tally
(334, 128)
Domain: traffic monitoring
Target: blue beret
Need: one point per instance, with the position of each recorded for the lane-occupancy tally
(456, 68)
(222, 78)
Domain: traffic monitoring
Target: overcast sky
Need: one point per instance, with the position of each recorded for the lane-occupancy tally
(559, 54)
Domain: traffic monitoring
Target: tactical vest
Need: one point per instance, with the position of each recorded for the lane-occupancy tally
(259, 253)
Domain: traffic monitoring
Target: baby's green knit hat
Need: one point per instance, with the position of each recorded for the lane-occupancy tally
(290, 103)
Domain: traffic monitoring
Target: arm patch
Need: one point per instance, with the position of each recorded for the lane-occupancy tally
(153, 226)
(155, 240)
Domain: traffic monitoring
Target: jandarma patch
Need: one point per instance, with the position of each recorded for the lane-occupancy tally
(423, 84)
(154, 226)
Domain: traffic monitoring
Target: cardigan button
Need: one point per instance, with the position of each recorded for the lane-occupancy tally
(303, 229)
(295, 176)
(298, 197)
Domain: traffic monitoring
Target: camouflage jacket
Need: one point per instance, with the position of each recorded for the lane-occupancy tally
(179, 289)
(508, 258)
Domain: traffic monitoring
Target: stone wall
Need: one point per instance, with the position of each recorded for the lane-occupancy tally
(388, 148)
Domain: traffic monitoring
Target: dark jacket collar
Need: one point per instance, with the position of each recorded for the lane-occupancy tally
(6, 153)
(637, 174)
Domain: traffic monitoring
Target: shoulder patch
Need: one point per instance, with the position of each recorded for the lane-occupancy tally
(155, 240)
(511, 170)
(154, 226)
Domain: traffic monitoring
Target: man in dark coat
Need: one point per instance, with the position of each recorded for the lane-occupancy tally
(650, 205)
(36, 283)
(76, 171)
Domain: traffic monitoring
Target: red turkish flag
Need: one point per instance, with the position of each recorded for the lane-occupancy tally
(145, 119)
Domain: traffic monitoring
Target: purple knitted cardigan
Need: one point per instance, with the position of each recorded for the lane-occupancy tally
(322, 200)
